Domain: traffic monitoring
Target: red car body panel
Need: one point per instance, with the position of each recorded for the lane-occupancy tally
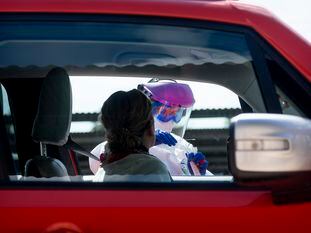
(293, 47)
(161, 210)
(153, 211)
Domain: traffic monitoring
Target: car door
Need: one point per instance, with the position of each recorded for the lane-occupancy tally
(233, 56)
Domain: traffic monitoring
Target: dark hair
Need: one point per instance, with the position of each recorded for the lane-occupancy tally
(126, 116)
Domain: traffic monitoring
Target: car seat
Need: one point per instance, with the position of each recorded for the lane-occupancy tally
(52, 127)
(52, 124)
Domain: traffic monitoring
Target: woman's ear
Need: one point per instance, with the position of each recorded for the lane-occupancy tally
(149, 136)
(151, 128)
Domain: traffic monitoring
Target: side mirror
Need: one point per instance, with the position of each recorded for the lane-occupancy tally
(269, 147)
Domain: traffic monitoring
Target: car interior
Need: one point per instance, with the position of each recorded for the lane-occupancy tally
(47, 153)
(37, 114)
(40, 151)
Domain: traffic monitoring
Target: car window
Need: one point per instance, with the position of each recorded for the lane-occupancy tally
(291, 97)
(217, 64)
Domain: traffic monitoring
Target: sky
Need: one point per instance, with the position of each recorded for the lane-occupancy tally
(295, 13)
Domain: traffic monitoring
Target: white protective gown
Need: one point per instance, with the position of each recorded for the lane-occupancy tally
(174, 157)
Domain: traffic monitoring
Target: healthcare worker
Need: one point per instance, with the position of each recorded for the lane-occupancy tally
(172, 104)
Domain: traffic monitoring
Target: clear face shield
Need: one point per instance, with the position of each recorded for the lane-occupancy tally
(171, 118)
(171, 104)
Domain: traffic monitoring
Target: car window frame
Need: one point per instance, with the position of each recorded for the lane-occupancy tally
(255, 44)
(295, 77)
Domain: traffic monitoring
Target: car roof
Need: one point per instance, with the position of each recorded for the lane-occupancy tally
(293, 47)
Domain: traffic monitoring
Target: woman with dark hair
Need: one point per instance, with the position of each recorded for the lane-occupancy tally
(129, 128)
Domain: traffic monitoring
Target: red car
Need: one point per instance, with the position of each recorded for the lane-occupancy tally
(237, 46)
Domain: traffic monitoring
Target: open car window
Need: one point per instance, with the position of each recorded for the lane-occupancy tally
(218, 64)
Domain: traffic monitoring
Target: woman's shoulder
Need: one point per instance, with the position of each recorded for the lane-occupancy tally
(138, 167)
(145, 157)
(148, 161)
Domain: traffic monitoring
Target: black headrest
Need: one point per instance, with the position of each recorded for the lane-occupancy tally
(42, 166)
(53, 119)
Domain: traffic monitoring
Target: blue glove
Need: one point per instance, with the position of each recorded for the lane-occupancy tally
(163, 137)
(199, 160)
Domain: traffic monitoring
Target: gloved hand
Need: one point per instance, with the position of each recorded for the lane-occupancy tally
(163, 137)
(199, 160)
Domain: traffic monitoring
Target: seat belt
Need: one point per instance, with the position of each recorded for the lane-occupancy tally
(71, 145)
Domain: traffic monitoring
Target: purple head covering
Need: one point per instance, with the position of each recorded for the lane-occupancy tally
(170, 93)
